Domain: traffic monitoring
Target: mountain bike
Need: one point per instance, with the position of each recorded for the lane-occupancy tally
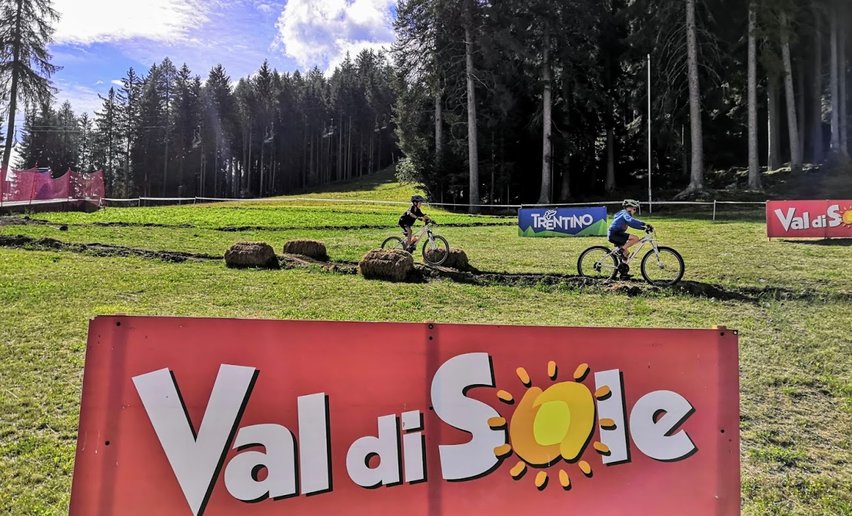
(660, 266)
(435, 250)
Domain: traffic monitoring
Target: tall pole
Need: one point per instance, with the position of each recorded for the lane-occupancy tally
(650, 206)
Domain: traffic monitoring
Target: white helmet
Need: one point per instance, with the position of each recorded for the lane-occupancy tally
(630, 203)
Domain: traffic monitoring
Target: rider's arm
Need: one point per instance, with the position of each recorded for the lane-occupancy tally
(419, 214)
(633, 222)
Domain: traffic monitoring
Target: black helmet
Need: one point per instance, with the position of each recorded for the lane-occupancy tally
(418, 198)
(630, 203)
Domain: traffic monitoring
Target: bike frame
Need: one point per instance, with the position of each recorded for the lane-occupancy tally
(426, 229)
(648, 238)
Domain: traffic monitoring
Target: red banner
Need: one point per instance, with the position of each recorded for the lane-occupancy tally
(803, 219)
(217, 416)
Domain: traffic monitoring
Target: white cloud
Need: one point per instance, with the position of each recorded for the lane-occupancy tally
(264, 7)
(82, 98)
(93, 21)
(116, 82)
(320, 32)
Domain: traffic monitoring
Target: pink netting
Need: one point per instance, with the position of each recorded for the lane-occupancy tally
(35, 184)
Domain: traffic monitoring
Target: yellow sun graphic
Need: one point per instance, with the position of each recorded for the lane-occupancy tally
(846, 217)
(551, 425)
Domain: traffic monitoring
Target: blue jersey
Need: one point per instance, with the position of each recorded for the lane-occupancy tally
(622, 220)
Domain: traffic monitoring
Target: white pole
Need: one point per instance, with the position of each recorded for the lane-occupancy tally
(650, 206)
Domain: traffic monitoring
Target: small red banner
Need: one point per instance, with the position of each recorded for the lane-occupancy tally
(217, 416)
(803, 219)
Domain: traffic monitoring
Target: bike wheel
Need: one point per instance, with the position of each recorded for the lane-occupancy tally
(436, 250)
(663, 268)
(393, 243)
(597, 262)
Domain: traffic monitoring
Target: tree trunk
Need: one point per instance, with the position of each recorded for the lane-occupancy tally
(754, 182)
(472, 154)
(773, 160)
(248, 170)
(817, 150)
(792, 121)
(546, 150)
(696, 182)
(835, 87)
(439, 128)
(610, 159)
(844, 114)
(800, 107)
(565, 190)
(262, 152)
(13, 93)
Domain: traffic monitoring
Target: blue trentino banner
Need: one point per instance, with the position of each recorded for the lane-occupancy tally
(547, 222)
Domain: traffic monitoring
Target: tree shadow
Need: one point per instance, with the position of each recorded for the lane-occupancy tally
(824, 241)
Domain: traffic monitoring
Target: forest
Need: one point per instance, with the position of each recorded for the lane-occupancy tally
(481, 102)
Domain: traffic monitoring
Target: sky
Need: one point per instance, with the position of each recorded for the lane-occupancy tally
(96, 41)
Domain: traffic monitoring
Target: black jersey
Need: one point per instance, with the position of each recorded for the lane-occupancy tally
(408, 218)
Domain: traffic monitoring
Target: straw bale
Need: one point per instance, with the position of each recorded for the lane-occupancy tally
(251, 254)
(386, 264)
(309, 248)
(457, 259)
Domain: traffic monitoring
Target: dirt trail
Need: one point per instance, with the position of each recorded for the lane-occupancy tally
(471, 277)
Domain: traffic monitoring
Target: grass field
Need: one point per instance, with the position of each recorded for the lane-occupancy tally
(795, 353)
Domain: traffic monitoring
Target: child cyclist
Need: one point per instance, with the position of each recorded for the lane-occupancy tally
(618, 231)
(407, 220)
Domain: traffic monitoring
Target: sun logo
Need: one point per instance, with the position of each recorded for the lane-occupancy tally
(846, 217)
(551, 425)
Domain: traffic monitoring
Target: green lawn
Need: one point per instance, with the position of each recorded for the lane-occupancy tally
(796, 356)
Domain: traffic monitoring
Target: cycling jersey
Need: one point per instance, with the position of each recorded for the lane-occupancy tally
(408, 218)
(622, 220)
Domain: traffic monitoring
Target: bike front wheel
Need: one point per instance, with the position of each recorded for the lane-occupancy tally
(436, 250)
(597, 262)
(663, 267)
(393, 243)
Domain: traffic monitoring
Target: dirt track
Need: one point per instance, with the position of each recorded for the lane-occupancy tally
(423, 273)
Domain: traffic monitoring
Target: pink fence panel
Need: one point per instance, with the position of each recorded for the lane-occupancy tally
(87, 185)
(21, 185)
(61, 186)
(42, 186)
(35, 184)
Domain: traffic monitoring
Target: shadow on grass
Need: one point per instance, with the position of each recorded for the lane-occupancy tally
(824, 241)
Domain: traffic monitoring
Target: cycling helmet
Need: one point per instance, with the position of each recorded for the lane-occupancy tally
(418, 198)
(630, 203)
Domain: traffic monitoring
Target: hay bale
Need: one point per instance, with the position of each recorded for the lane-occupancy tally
(244, 255)
(457, 259)
(386, 264)
(310, 248)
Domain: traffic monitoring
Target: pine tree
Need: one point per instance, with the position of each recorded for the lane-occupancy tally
(107, 148)
(84, 150)
(127, 118)
(187, 117)
(25, 33)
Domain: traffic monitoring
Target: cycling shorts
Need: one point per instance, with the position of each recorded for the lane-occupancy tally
(618, 239)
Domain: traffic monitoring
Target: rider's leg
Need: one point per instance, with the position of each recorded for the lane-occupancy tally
(623, 268)
(407, 230)
(631, 241)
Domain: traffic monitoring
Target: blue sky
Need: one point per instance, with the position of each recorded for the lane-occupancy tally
(96, 41)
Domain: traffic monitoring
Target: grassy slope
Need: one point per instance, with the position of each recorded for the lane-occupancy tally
(796, 356)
